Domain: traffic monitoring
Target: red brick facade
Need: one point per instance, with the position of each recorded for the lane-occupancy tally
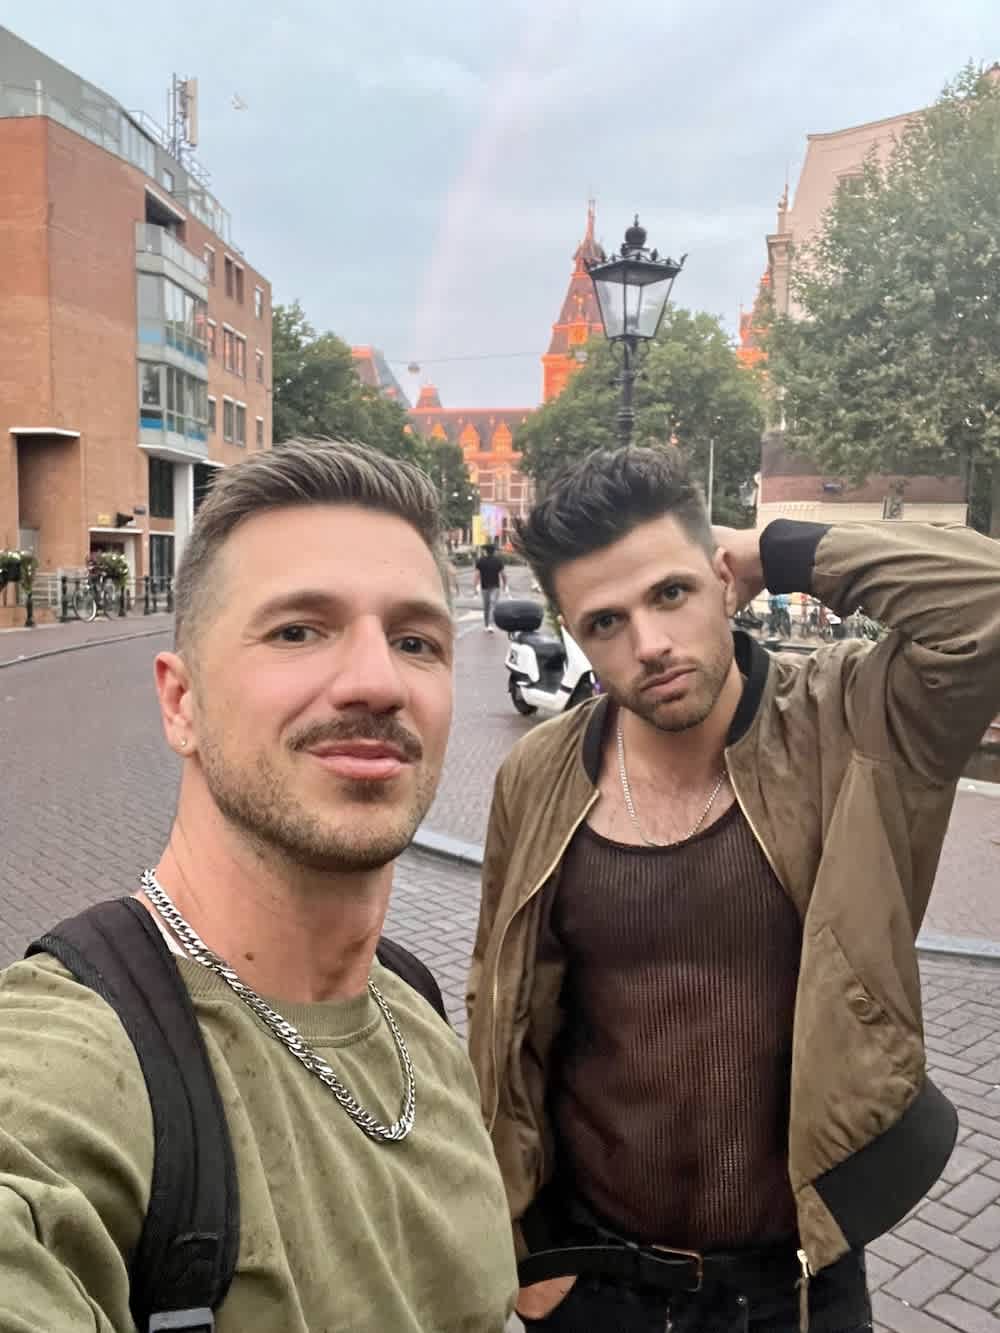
(70, 458)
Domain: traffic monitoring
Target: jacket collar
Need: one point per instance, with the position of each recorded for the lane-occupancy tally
(754, 663)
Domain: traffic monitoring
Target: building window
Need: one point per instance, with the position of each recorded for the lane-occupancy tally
(211, 416)
(239, 284)
(212, 348)
(241, 424)
(210, 263)
(228, 410)
(228, 349)
(241, 356)
(230, 281)
(161, 554)
(161, 489)
(260, 432)
(259, 363)
(258, 302)
(150, 388)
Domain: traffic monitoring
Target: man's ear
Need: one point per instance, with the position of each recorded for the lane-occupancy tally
(174, 691)
(722, 569)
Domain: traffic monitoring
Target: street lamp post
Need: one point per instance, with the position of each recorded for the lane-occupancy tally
(633, 288)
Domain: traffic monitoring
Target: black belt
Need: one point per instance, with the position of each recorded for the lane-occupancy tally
(660, 1266)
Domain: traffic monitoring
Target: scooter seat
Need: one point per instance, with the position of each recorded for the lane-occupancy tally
(547, 650)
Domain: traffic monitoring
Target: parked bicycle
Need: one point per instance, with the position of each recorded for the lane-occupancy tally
(97, 594)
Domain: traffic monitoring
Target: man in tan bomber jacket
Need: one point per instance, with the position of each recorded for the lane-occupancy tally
(694, 998)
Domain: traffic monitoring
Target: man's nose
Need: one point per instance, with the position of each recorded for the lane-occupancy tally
(367, 670)
(651, 639)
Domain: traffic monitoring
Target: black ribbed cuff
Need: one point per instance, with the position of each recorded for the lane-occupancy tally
(788, 553)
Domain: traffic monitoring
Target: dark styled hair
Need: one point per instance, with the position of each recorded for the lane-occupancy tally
(299, 472)
(597, 502)
(489, 548)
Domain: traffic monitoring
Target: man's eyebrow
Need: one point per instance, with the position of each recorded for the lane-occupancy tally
(323, 603)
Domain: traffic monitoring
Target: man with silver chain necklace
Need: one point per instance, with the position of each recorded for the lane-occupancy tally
(694, 998)
(308, 700)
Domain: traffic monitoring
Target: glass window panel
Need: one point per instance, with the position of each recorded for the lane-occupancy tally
(151, 390)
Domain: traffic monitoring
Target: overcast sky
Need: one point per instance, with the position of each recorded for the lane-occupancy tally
(416, 171)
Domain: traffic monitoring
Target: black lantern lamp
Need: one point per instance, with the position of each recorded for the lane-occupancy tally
(633, 288)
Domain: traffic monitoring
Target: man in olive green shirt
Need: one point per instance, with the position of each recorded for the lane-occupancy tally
(309, 698)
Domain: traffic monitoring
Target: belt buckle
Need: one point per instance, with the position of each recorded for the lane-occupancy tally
(696, 1258)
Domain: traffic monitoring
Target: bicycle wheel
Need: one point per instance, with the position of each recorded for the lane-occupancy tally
(84, 604)
(109, 599)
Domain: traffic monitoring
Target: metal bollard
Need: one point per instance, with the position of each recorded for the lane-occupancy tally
(170, 593)
(29, 622)
(145, 594)
(121, 601)
(63, 599)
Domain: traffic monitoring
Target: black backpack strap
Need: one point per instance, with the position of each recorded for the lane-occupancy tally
(412, 970)
(186, 1255)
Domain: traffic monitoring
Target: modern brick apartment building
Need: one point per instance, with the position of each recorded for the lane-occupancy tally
(135, 338)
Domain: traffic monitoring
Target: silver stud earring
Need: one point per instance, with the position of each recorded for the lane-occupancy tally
(184, 743)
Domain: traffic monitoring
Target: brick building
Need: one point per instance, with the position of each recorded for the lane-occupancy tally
(135, 343)
(789, 484)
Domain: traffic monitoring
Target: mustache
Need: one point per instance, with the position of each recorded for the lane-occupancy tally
(365, 727)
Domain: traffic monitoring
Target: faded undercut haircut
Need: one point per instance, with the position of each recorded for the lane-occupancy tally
(597, 502)
(299, 472)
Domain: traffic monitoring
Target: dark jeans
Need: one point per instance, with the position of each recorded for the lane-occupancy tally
(838, 1303)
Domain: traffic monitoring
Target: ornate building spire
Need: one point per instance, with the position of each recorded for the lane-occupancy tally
(579, 318)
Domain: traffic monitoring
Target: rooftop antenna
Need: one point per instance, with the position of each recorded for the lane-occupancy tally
(182, 117)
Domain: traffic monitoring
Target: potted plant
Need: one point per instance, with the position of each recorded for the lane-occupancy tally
(112, 564)
(10, 567)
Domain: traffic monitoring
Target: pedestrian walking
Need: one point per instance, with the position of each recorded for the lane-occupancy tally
(694, 998)
(308, 701)
(489, 579)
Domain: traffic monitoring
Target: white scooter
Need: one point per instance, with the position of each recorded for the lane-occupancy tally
(547, 674)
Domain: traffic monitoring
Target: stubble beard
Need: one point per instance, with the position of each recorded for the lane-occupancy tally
(366, 829)
(692, 711)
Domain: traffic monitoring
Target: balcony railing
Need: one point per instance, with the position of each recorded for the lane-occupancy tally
(153, 240)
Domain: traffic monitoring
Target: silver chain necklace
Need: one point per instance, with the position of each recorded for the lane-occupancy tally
(630, 806)
(286, 1032)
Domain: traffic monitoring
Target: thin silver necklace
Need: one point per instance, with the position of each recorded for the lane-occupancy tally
(630, 805)
(285, 1032)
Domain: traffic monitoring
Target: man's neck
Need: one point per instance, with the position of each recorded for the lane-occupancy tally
(688, 758)
(298, 935)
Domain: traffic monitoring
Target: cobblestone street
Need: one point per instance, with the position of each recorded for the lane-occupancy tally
(88, 800)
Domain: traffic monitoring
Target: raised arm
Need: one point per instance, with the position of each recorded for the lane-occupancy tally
(926, 694)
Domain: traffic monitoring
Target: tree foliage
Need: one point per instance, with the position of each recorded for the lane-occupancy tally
(318, 394)
(895, 367)
(459, 498)
(690, 390)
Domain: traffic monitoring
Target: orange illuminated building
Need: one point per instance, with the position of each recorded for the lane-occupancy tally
(579, 319)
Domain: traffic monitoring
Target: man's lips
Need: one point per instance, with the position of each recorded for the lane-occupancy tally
(372, 760)
(668, 678)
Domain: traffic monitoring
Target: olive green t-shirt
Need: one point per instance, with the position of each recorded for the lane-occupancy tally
(338, 1233)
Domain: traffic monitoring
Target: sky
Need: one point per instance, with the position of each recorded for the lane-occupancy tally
(416, 172)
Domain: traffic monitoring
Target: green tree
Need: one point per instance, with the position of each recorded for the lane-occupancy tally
(690, 390)
(317, 393)
(895, 367)
(445, 465)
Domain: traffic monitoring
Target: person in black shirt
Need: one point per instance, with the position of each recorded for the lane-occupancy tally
(490, 578)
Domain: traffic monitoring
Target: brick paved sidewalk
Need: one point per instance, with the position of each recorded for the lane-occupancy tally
(19, 644)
